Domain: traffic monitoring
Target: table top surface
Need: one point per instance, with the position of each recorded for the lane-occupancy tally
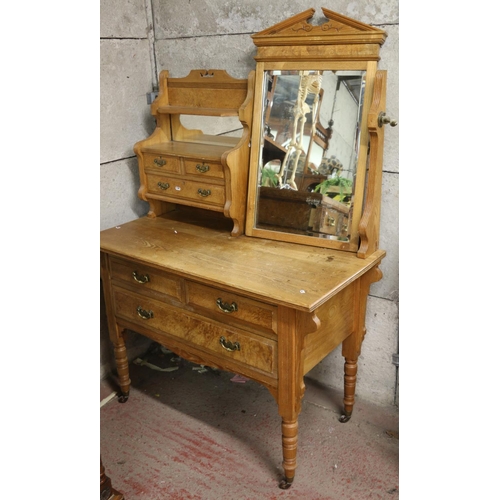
(201, 248)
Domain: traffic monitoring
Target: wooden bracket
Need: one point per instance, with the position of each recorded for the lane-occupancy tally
(369, 225)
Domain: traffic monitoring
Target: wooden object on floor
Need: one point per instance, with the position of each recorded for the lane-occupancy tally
(237, 304)
(107, 490)
(185, 166)
(281, 208)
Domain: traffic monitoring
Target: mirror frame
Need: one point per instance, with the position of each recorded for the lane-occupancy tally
(341, 43)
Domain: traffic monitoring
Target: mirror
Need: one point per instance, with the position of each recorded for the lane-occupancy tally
(314, 90)
(307, 171)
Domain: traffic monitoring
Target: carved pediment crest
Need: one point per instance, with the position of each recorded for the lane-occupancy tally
(338, 29)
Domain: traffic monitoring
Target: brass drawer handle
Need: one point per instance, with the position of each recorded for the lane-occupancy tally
(163, 185)
(228, 345)
(159, 161)
(140, 278)
(204, 192)
(202, 168)
(225, 307)
(143, 313)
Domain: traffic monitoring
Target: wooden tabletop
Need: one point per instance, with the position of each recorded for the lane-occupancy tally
(280, 273)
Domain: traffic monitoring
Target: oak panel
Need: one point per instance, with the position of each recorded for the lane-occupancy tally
(336, 323)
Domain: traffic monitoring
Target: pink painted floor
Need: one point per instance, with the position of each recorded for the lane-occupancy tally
(191, 434)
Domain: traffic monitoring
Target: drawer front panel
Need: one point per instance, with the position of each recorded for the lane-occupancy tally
(225, 306)
(252, 350)
(210, 194)
(146, 278)
(161, 163)
(203, 168)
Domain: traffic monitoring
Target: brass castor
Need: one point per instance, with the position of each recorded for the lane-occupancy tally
(122, 398)
(345, 417)
(285, 483)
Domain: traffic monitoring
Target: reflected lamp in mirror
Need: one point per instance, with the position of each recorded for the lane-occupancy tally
(313, 178)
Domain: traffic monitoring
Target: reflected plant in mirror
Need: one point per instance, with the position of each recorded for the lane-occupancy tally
(309, 151)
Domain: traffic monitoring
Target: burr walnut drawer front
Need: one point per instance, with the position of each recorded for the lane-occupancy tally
(171, 187)
(231, 308)
(203, 168)
(146, 278)
(161, 163)
(239, 346)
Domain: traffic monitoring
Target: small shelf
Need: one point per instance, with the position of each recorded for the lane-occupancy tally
(183, 166)
(191, 110)
(190, 149)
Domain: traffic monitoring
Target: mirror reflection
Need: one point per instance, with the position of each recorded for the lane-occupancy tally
(309, 151)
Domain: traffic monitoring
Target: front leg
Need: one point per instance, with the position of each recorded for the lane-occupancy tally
(116, 333)
(290, 432)
(291, 388)
(351, 346)
(350, 370)
(122, 365)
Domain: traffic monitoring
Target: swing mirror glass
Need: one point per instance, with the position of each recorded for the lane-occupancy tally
(309, 152)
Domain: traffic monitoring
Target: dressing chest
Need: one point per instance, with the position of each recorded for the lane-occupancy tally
(202, 273)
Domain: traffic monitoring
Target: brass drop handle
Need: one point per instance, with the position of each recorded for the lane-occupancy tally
(226, 307)
(143, 313)
(159, 161)
(163, 185)
(228, 345)
(140, 278)
(202, 168)
(383, 119)
(204, 192)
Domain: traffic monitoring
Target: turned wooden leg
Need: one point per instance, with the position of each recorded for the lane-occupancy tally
(291, 388)
(116, 333)
(290, 432)
(107, 490)
(350, 370)
(122, 366)
(351, 346)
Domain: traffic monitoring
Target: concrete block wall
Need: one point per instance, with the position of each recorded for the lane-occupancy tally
(139, 38)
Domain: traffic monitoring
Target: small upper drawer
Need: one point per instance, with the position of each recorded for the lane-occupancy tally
(146, 278)
(203, 168)
(162, 162)
(232, 308)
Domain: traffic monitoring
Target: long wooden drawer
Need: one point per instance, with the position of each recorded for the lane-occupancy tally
(242, 347)
(201, 192)
(231, 308)
(146, 278)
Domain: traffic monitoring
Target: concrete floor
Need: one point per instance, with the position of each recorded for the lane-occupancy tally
(191, 433)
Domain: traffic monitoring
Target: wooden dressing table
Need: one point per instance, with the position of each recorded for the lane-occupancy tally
(269, 305)
(247, 305)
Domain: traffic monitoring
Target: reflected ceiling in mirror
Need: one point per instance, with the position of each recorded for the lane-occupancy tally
(309, 150)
